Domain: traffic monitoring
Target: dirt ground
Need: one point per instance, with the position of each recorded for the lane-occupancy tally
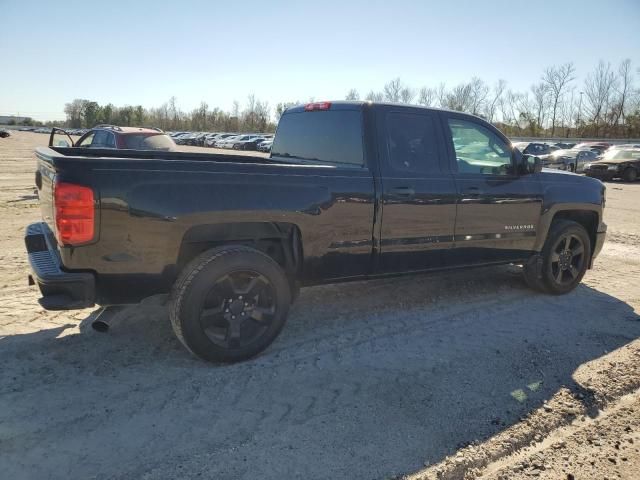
(449, 376)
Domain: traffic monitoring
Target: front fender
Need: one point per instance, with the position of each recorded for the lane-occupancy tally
(570, 198)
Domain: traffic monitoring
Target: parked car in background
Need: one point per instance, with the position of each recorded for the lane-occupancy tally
(249, 144)
(218, 138)
(599, 147)
(265, 146)
(237, 143)
(226, 142)
(616, 163)
(572, 160)
(537, 149)
(624, 145)
(129, 138)
(564, 145)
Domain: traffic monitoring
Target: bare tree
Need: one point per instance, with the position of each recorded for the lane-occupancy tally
(598, 88)
(557, 80)
(541, 101)
(624, 84)
(374, 96)
(407, 95)
(441, 94)
(478, 92)
(393, 90)
(352, 95)
(459, 98)
(427, 96)
(496, 95)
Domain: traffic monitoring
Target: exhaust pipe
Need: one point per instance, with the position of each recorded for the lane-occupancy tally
(100, 326)
(100, 323)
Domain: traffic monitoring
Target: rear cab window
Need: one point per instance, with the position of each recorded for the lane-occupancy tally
(332, 136)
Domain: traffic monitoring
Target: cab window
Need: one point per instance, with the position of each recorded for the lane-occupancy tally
(412, 143)
(478, 150)
(331, 136)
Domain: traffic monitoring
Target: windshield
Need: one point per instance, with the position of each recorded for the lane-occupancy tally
(622, 155)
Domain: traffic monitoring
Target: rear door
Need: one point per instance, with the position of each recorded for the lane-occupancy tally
(498, 209)
(418, 192)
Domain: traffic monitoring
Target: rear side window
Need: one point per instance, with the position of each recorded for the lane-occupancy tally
(332, 136)
(412, 143)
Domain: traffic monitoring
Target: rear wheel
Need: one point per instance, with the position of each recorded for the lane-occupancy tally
(630, 175)
(230, 303)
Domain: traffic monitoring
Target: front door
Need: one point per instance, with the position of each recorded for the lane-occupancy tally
(498, 208)
(418, 190)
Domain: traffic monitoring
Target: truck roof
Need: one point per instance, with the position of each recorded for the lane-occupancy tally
(353, 104)
(128, 130)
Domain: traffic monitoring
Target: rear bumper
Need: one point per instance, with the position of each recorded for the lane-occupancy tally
(61, 290)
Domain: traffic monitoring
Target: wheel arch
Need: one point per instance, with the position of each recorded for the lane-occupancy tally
(589, 218)
(279, 240)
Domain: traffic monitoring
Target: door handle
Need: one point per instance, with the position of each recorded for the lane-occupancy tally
(403, 191)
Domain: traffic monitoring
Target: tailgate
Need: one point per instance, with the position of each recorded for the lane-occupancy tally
(45, 177)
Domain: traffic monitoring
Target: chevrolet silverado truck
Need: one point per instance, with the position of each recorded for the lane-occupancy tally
(350, 191)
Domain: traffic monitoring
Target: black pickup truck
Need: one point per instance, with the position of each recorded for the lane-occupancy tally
(350, 191)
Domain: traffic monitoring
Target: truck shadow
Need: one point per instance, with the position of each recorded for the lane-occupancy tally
(367, 380)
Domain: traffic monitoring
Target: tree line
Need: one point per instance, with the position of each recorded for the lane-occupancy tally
(255, 116)
(605, 104)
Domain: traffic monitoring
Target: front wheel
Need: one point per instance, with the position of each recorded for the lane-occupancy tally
(565, 257)
(229, 304)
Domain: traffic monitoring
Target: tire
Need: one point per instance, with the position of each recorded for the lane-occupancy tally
(564, 264)
(630, 175)
(229, 304)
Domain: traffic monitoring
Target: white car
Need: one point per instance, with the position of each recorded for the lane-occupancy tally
(223, 143)
(235, 143)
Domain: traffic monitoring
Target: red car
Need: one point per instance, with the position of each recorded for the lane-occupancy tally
(130, 138)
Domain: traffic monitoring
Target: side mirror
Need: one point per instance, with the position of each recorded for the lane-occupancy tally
(531, 164)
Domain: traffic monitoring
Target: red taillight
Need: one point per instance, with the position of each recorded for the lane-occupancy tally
(74, 213)
(310, 107)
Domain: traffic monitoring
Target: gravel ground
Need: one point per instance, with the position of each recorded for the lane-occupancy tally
(464, 374)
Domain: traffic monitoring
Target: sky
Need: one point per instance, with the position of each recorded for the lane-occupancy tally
(144, 52)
